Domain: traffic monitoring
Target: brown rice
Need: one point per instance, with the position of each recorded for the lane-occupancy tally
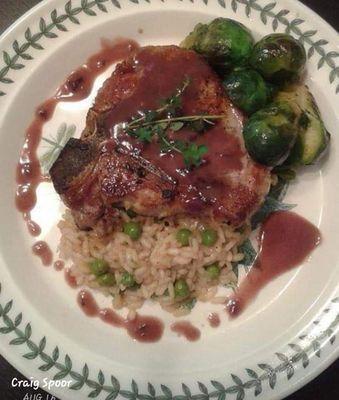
(156, 260)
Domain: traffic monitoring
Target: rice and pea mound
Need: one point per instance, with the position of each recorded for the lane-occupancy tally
(174, 261)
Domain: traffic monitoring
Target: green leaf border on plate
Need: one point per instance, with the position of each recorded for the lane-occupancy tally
(18, 56)
(253, 380)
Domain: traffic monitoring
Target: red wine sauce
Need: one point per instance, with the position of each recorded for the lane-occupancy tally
(214, 320)
(145, 328)
(186, 329)
(42, 250)
(286, 240)
(141, 328)
(75, 88)
(111, 317)
(59, 265)
(88, 304)
(70, 279)
(33, 228)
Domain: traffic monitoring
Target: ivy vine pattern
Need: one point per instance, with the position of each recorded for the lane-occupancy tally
(253, 381)
(269, 12)
(47, 29)
(55, 145)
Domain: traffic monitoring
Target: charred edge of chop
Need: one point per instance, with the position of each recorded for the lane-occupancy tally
(73, 159)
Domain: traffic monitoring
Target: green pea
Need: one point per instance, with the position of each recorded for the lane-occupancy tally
(107, 279)
(183, 235)
(181, 288)
(213, 270)
(132, 229)
(209, 237)
(127, 280)
(98, 266)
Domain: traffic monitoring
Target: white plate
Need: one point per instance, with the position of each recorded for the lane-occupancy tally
(283, 340)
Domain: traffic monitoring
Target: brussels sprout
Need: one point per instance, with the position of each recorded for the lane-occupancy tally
(224, 42)
(279, 58)
(271, 133)
(313, 138)
(194, 40)
(284, 172)
(247, 89)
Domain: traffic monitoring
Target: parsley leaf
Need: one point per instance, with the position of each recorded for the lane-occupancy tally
(193, 153)
(143, 134)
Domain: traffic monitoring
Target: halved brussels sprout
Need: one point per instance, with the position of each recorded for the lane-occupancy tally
(271, 133)
(313, 137)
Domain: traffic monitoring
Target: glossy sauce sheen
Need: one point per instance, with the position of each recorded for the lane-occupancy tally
(33, 228)
(214, 320)
(283, 233)
(70, 279)
(286, 240)
(88, 304)
(76, 87)
(199, 187)
(42, 250)
(59, 265)
(141, 328)
(187, 330)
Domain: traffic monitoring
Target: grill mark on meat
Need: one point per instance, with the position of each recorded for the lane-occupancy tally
(118, 169)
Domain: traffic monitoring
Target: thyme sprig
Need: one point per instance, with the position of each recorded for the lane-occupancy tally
(170, 105)
(187, 118)
(167, 118)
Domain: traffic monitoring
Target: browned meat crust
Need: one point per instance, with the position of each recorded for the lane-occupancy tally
(101, 170)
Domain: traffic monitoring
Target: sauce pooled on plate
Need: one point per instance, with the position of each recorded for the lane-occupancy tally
(286, 240)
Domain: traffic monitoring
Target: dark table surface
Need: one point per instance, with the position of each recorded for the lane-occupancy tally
(326, 386)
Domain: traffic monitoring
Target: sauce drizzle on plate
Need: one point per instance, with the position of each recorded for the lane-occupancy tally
(141, 328)
(70, 279)
(59, 265)
(43, 251)
(214, 320)
(33, 228)
(286, 240)
(187, 330)
(75, 88)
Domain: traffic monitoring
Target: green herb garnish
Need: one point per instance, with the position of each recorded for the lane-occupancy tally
(156, 124)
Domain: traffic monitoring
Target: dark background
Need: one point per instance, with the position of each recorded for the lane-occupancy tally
(326, 386)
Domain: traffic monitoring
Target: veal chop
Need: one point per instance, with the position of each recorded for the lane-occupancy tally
(107, 169)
